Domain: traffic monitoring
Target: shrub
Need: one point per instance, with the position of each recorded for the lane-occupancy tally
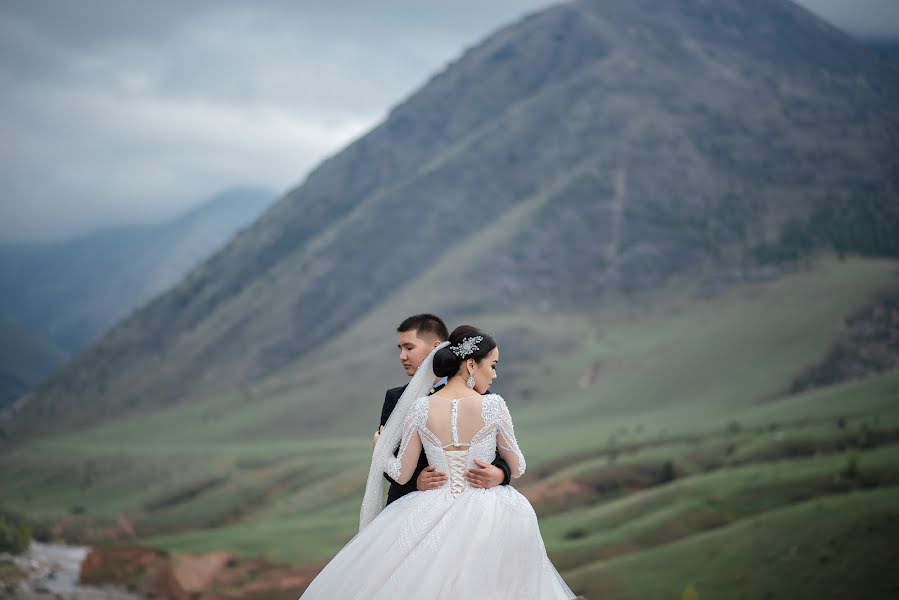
(851, 470)
(668, 472)
(15, 534)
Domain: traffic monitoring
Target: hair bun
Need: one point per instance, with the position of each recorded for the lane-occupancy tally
(446, 363)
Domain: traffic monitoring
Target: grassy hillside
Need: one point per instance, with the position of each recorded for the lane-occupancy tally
(708, 356)
(835, 547)
(652, 431)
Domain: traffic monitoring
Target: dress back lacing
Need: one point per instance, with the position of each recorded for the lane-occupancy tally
(457, 461)
(447, 453)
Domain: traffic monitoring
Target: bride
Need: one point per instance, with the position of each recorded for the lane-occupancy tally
(456, 541)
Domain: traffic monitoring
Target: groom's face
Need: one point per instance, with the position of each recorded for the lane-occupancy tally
(413, 349)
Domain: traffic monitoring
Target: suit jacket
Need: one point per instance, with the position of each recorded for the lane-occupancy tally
(396, 490)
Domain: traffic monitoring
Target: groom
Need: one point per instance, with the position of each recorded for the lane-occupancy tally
(416, 337)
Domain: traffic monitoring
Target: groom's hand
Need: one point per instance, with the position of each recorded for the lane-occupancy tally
(374, 441)
(430, 479)
(484, 475)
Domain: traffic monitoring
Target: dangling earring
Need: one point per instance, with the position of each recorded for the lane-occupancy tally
(470, 381)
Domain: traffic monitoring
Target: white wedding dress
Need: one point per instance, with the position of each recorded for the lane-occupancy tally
(456, 542)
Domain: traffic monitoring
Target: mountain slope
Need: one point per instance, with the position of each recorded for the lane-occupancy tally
(605, 147)
(24, 361)
(887, 48)
(72, 292)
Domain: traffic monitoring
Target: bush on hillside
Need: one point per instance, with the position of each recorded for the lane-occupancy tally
(668, 472)
(15, 534)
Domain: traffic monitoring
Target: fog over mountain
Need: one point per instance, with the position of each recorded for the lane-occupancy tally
(59, 297)
(69, 293)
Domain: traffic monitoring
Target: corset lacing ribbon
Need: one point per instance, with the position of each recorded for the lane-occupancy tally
(457, 460)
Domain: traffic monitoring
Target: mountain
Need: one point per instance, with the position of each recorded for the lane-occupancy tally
(71, 292)
(24, 361)
(887, 48)
(592, 151)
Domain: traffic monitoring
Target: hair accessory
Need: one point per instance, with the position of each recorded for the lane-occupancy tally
(467, 346)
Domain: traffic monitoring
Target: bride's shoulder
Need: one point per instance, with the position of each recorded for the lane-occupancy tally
(492, 404)
(495, 398)
(419, 409)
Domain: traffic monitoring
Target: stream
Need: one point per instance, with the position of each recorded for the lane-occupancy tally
(53, 573)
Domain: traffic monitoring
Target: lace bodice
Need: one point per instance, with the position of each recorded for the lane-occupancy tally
(497, 434)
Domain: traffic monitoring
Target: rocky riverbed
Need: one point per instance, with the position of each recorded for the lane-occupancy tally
(52, 571)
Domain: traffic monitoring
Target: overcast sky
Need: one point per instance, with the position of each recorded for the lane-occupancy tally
(118, 111)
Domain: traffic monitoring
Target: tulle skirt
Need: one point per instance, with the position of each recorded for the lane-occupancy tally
(480, 545)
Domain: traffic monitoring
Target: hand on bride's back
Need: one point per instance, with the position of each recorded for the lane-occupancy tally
(374, 440)
(484, 475)
(430, 479)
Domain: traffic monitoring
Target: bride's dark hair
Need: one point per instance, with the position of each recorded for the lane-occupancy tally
(446, 363)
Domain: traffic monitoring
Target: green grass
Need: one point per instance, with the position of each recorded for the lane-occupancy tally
(664, 364)
(312, 538)
(705, 501)
(268, 471)
(708, 358)
(835, 547)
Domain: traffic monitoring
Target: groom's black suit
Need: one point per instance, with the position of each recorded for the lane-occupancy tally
(398, 491)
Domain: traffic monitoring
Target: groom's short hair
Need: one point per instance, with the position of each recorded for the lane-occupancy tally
(425, 324)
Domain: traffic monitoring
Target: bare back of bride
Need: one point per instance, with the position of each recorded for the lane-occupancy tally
(456, 541)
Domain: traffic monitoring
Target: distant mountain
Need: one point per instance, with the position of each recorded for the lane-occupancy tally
(887, 48)
(72, 292)
(593, 150)
(24, 361)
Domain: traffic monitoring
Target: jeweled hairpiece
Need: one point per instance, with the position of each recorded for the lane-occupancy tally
(467, 346)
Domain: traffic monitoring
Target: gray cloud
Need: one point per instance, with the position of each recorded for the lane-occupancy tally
(116, 111)
(119, 111)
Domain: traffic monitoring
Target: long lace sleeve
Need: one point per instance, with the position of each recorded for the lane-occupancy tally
(401, 468)
(506, 444)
